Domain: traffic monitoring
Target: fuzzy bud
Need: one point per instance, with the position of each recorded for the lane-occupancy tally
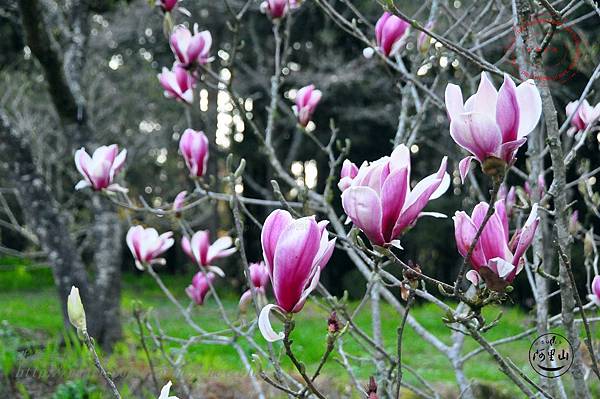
(75, 310)
(333, 324)
(372, 389)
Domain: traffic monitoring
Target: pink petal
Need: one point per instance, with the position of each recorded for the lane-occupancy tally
(293, 262)
(508, 150)
(200, 244)
(400, 159)
(474, 277)
(419, 196)
(527, 234)
(454, 101)
(220, 249)
(493, 240)
(363, 207)
(502, 268)
(530, 104)
(464, 166)
(393, 195)
(477, 133)
(314, 281)
(274, 225)
(507, 110)
(464, 233)
(484, 101)
(379, 26)
(596, 287)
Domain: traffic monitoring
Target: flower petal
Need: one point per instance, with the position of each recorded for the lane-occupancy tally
(530, 104)
(484, 101)
(275, 223)
(264, 325)
(473, 277)
(507, 110)
(464, 166)
(363, 207)
(477, 133)
(293, 261)
(393, 195)
(527, 234)
(454, 101)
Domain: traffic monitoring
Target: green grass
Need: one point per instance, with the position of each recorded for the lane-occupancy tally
(30, 314)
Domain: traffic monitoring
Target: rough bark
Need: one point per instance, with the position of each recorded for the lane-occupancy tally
(63, 72)
(524, 13)
(43, 214)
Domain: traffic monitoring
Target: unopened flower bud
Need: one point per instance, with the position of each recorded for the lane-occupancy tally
(423, 40)
(413, 274)
(333, 324)
(574, 222)
(75, 310)
(372, 389)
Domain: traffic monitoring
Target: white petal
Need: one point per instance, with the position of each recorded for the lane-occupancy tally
(264, 325)
(444, 185)
(437, 215)
(396, 243)
(82, 184)
(216, 270)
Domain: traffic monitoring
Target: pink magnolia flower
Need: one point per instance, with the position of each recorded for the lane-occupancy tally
(584, 115)
(259, 277)
(202, 252)
(295, 252)
(277, 9)
(194, 148)
(495, 258)
(493, 124)
(146, 245)
(595, 296)
(178, 83)
(307, 100)
(389, 32)
(99, 170)
(190, 49)
(200, 286)
(348, 172)
(166, 5)
(380, 202)
(179, 201)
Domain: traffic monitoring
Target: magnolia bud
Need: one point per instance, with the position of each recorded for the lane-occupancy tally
(333, 324)
(423, 40)
(372, 389)
(574, 222)
(76, 311)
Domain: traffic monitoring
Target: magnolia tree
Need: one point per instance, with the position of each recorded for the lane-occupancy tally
(506, 114)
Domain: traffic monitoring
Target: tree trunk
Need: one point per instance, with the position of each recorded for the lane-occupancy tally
(63, 72)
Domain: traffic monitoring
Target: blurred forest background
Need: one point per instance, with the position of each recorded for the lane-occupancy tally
(119, 96)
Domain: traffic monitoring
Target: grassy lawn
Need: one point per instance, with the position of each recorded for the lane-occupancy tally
(30, 315)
